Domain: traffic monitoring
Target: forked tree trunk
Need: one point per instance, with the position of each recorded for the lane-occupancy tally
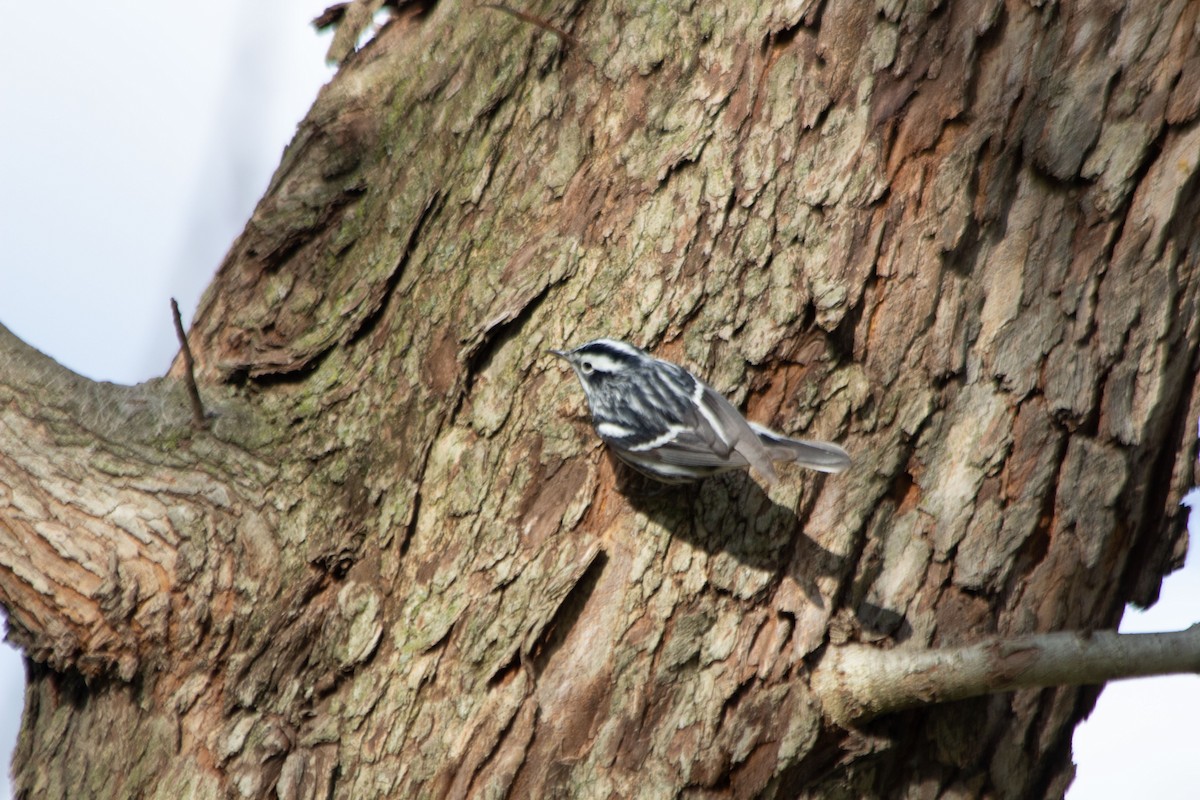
(960, 239)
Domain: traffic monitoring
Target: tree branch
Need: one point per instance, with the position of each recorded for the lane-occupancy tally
(96, 501)
(857, 683)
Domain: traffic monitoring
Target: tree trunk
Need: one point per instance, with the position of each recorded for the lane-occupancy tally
(960, 240)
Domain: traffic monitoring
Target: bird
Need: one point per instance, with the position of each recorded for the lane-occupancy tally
(671, 426)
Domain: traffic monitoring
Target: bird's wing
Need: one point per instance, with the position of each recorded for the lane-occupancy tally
(686, 447)
(714, 422)
(705, 432)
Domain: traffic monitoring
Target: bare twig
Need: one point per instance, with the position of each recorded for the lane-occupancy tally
(330, 16)
(525, 16)
(857, 682)
(189, 367)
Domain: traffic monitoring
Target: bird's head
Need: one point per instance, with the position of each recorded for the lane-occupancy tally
(601, 360)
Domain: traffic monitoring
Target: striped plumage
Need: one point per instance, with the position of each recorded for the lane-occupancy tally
(668, 424)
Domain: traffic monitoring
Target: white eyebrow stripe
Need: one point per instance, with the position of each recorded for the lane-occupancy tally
(615, 344)
(658, 441)
(613, 430)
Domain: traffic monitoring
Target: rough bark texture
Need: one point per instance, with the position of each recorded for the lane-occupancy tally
(959, 239)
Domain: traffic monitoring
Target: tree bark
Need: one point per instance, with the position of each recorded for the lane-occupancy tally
(958, 239)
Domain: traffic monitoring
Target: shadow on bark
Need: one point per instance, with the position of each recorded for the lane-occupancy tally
(730, 513)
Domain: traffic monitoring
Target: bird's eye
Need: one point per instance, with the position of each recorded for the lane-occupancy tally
(587, 367)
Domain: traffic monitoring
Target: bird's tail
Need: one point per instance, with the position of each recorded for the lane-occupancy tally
(821, 456)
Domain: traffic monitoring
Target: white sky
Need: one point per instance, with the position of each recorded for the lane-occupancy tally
(135, 139)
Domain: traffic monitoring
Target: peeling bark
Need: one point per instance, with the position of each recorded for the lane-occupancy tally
(958, 239)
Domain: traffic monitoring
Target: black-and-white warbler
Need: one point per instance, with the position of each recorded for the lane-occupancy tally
(668, 424)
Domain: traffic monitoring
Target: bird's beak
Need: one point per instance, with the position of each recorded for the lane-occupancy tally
(559, 353)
